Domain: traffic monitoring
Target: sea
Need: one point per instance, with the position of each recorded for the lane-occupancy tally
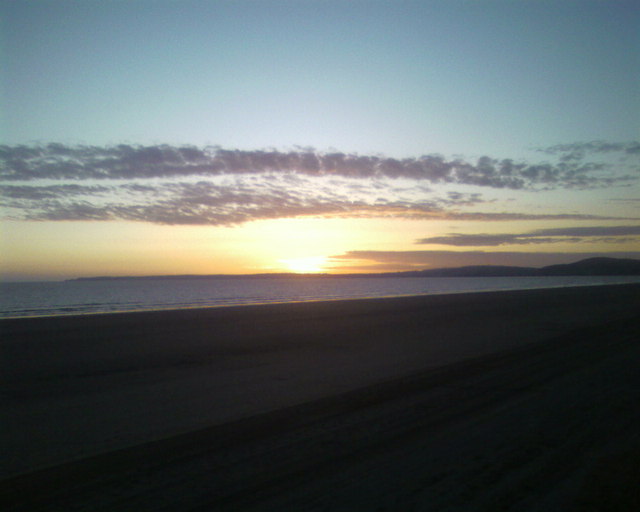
(81, 297)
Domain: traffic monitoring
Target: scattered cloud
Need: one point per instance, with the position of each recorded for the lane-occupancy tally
(35, 193)
(205, 203)
(589, 231)
(58, 161)
(214, 186)
(606, 234)
(578, 150)
(218, 204)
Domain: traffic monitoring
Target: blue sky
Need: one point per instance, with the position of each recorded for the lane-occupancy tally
(401, 78)
(509, 80)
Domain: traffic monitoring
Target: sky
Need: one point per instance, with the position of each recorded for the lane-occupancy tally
(150, 137)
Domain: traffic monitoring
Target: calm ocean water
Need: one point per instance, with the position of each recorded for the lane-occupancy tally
(84, 297)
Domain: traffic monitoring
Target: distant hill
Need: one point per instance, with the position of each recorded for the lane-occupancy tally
(595, 267)
(474, 271)
(588, 267)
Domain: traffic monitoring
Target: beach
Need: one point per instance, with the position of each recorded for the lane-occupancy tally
(518, 400)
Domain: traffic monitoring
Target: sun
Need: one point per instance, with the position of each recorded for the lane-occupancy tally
(308, 265)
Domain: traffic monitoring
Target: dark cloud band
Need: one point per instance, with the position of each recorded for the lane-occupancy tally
(213, 186)
(126, 162)
(606, 234)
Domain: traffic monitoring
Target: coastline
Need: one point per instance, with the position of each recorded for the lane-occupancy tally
(100, 390)
(97, 296)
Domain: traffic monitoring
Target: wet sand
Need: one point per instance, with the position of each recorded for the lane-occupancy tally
(485, 401)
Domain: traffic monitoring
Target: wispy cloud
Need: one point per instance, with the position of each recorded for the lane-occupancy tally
(579, 150)
(245, 199)
(214, 186)
(205, 203)
(606, 234)
(35, 193)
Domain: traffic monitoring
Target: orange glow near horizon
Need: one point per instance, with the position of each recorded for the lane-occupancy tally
(62, 250)
(308, 265)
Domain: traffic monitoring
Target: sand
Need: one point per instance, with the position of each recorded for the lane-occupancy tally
(524, 400)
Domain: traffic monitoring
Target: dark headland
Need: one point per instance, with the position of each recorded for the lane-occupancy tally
(520, 400)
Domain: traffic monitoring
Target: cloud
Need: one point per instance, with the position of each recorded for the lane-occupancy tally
(463, 240)
(127, 162)
(581, 148)
(245, 199)
(209, 203)
(576, 159)
(35, 193)
(590, 231)
(214, 186)
(606, 234)
(375, 261)
(508, 216)
(72, 211)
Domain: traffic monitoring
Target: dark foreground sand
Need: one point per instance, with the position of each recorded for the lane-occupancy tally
(496, 401)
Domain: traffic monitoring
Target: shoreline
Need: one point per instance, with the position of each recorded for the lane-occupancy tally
(339, 299)
(110, 388)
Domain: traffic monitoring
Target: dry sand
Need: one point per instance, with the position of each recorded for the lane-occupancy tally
(523, 400)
